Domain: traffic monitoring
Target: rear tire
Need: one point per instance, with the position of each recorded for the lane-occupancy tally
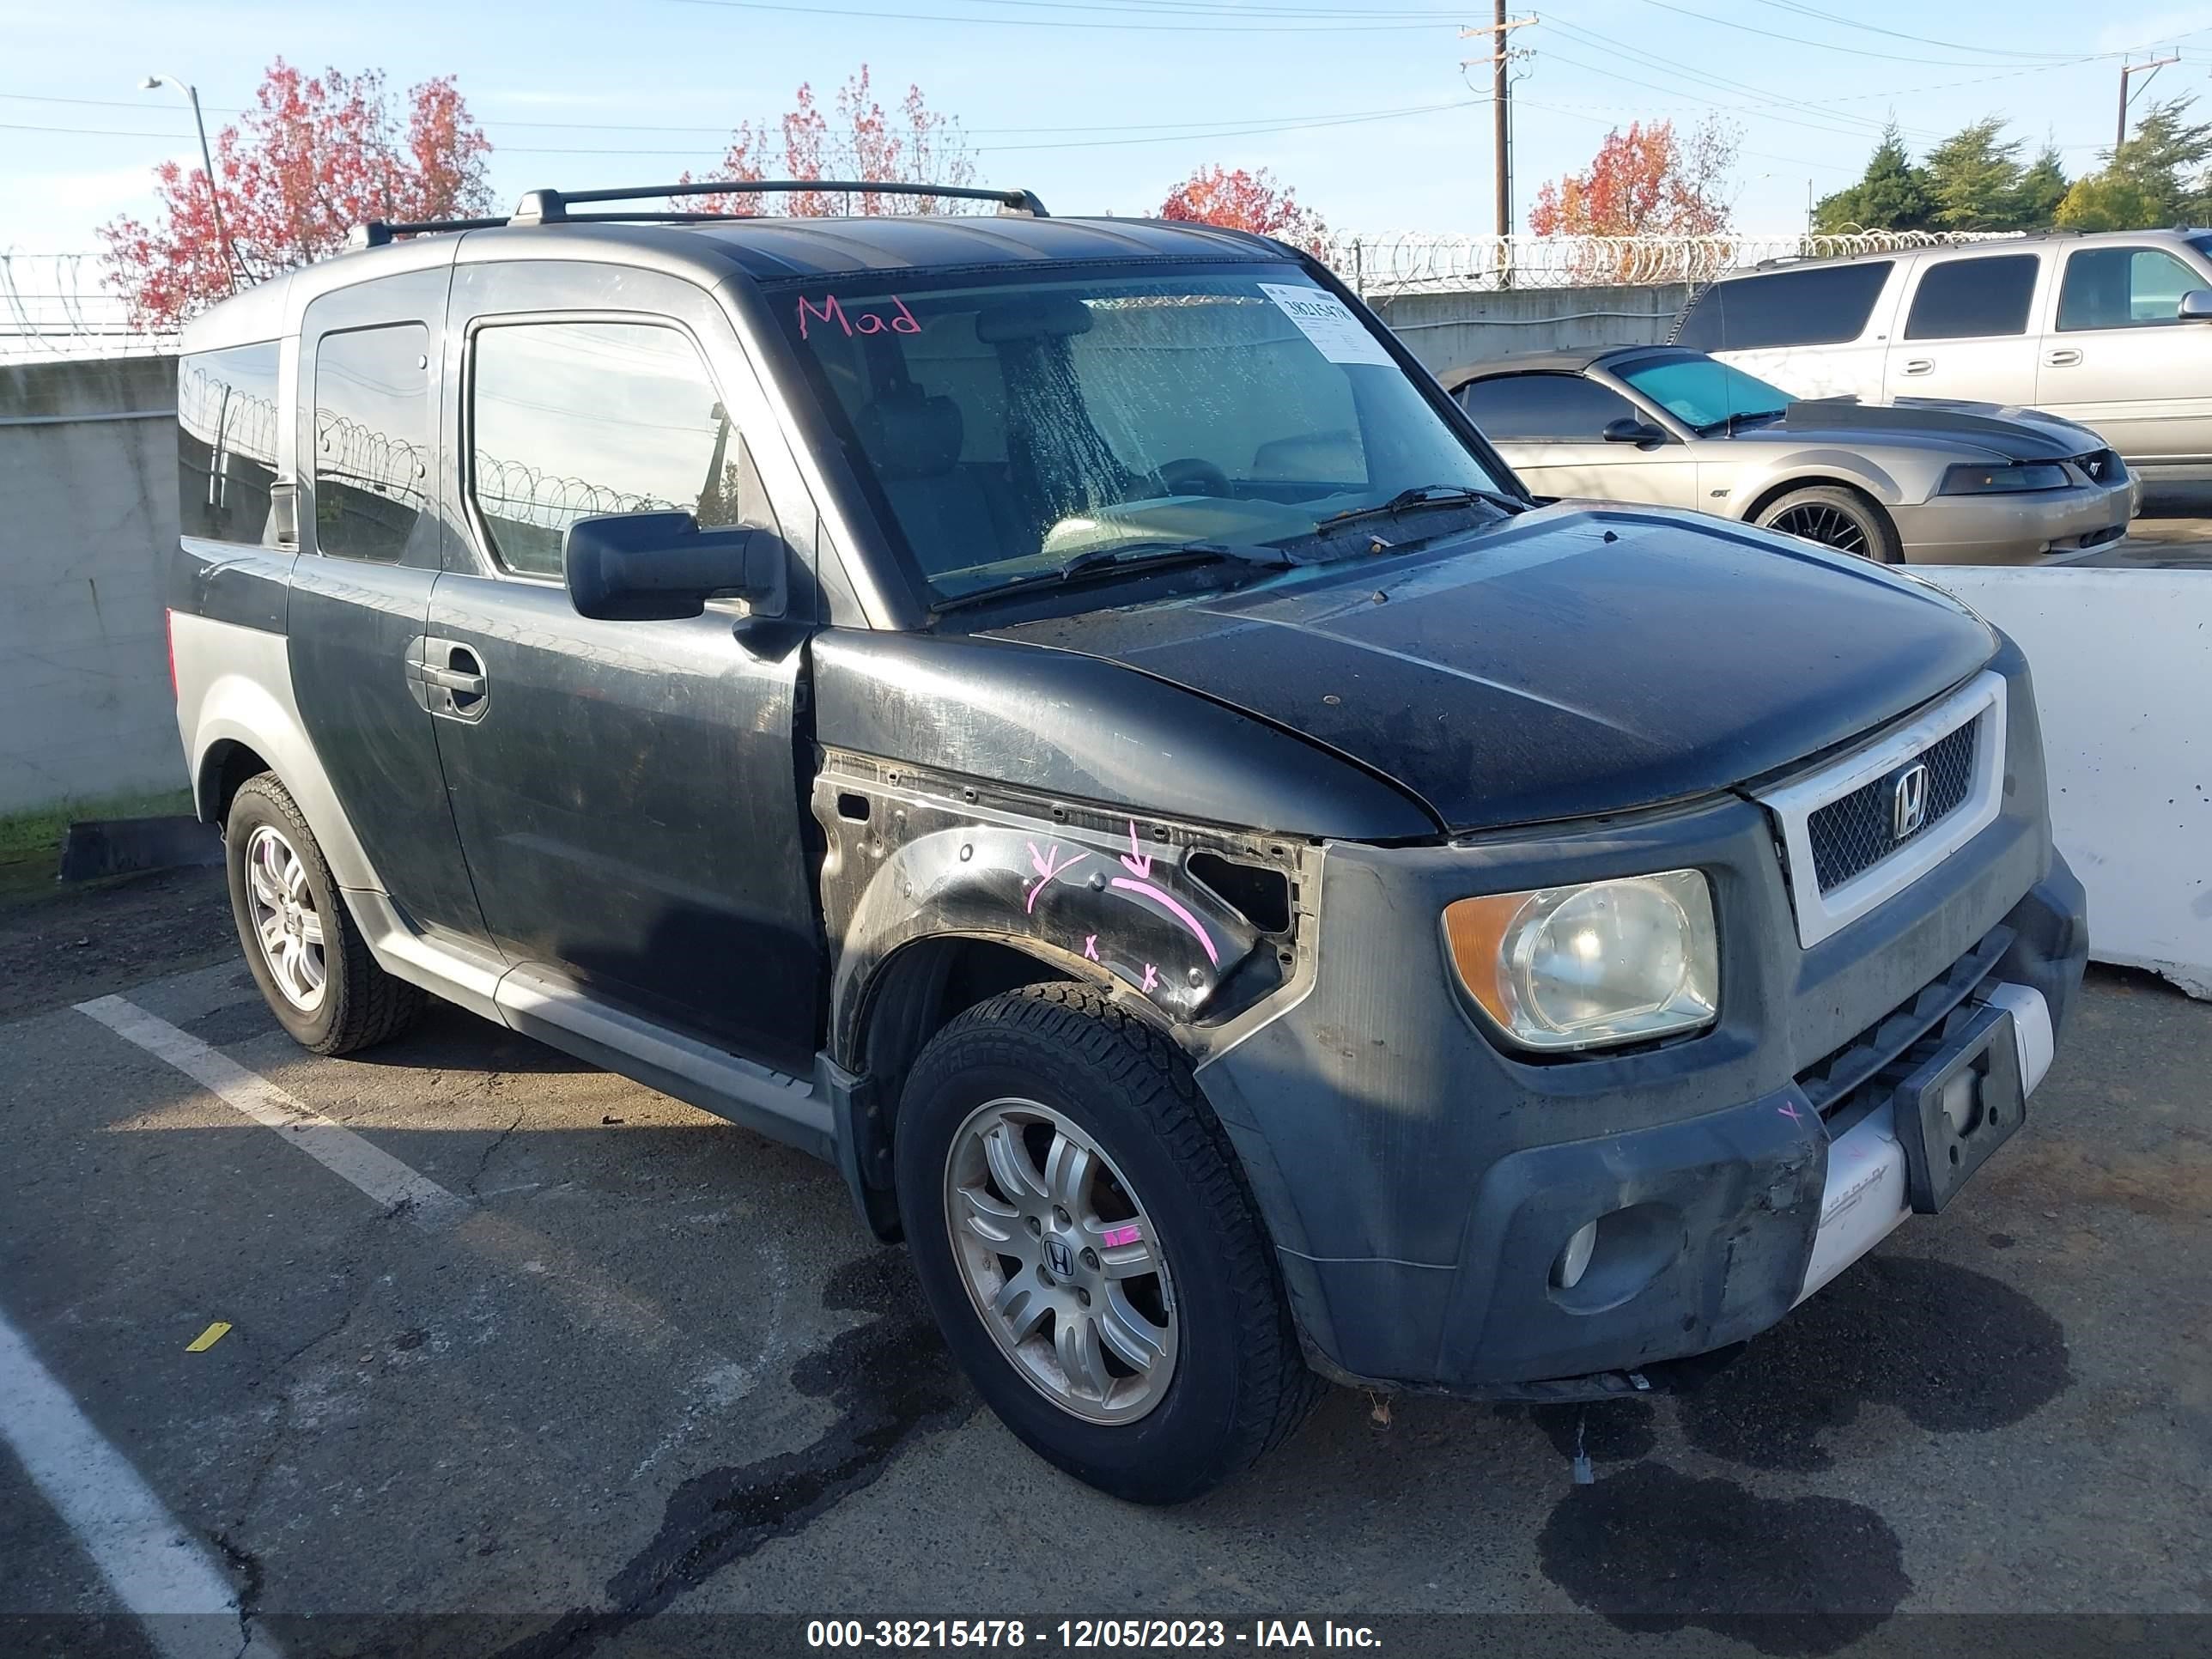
(1098, 1093)
(1835, 517)
(308, 957)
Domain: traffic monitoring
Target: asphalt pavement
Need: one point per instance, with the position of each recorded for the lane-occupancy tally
(522, 1357)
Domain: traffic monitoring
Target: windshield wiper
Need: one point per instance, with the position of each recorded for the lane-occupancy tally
(1121, 559)
(1423, 496)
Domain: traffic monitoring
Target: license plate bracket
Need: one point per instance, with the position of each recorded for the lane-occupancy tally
(1956, 1110)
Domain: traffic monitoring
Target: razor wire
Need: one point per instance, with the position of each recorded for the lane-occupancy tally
(55, 305)
(1382, 267)
(59, 305)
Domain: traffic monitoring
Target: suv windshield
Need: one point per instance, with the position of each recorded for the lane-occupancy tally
(1701, 393)
(1010, 429)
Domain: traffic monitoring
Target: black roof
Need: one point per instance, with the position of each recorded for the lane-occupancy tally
(769, 248)
(1563, 359)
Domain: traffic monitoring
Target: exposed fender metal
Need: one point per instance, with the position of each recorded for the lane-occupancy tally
(1106, 895)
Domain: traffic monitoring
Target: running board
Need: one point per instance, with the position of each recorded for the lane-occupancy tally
(793, 1110)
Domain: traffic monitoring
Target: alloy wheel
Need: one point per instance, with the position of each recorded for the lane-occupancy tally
(281, 906)
(1818, 522)
(1060, 1260)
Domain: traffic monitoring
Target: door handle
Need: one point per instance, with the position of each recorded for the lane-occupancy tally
(2063, 359)
(1918, 365)
(449, 680)
(454, 679)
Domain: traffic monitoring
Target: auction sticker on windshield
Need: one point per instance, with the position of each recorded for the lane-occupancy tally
(1323, 319)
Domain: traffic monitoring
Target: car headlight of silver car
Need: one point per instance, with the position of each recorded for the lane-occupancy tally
(2004, 480)
(1592, 964)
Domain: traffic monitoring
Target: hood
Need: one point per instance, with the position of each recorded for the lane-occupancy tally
(1575, 662)
(1979, 429)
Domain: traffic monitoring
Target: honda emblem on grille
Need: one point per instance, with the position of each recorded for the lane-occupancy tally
(1908, 805)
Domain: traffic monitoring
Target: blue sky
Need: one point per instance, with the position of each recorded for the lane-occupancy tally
(1101, 107)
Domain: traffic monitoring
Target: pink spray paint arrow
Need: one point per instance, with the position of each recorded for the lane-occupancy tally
(1134, 860)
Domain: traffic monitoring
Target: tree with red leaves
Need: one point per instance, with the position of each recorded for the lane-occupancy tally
(316, 155)
(1643, 182)
(917, 145)
(1246, 201)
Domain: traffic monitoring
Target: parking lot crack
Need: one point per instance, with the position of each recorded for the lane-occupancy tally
(891, 1381)
(491, 1151)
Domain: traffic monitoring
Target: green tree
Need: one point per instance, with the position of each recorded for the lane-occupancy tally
(1891, 196)
(2042, 188)
(2162, 176)
(1974, 177)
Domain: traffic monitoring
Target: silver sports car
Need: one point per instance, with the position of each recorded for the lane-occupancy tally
(1926, 481)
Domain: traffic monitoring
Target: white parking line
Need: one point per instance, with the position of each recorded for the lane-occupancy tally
(337, 1149)
(152, 1563)
(708, 1380)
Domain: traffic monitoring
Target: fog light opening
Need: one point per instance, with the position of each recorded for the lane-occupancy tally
(1567, 1271)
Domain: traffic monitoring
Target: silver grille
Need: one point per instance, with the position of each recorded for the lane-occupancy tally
(1862, 829)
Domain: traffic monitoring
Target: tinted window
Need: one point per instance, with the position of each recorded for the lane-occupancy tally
(226, 441)
(1962, 298)
(1699, 391)
(574, 420)
(1534, 408)
(2122, 287)
(1818, 307)
(373, 426)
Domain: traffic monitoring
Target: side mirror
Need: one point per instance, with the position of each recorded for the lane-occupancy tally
(655, 567)
(1627, 431)
(2195, 305)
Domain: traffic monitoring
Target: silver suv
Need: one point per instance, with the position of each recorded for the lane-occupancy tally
(2113, 330)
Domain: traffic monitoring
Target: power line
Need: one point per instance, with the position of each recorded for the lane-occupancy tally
(1854, 124)
(1365, 25)
(1918, 40)
(1825, 46)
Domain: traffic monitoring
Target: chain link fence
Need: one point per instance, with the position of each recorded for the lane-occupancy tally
(57, 305)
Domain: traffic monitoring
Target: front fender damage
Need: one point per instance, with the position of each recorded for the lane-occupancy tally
(1106, 897)
(917, 866)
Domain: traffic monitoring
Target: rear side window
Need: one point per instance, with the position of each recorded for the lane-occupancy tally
(226, 441)
(372, 426)
(1962, 299)
(2122, 287)
(1543, 408)
(575, 420)
(1821, 307)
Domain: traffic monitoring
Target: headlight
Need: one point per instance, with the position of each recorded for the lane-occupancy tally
(2003, 480)
(1595, 964)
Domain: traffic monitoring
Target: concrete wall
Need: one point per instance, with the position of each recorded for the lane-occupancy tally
(88, 503)
(2123, 666)
(1450, 331)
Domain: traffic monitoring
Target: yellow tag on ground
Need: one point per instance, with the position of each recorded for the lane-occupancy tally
(208, 1338)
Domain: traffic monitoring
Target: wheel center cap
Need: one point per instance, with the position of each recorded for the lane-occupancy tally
(1058, 1259)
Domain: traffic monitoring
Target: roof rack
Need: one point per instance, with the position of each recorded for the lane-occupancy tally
(377, 232)
(550, 206)
(546, 207)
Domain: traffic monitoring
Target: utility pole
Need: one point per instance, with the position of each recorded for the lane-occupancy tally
(2126, 70)
(1500, 126)
(1500, 121)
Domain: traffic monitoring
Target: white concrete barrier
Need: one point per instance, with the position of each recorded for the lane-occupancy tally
(2123, 666)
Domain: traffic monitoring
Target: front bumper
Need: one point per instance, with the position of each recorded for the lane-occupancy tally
(1420, 1183)
(2016, 529)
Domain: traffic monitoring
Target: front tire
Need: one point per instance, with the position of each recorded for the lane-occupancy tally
(1835, 517)
(1085, 1240)
(308, 957)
